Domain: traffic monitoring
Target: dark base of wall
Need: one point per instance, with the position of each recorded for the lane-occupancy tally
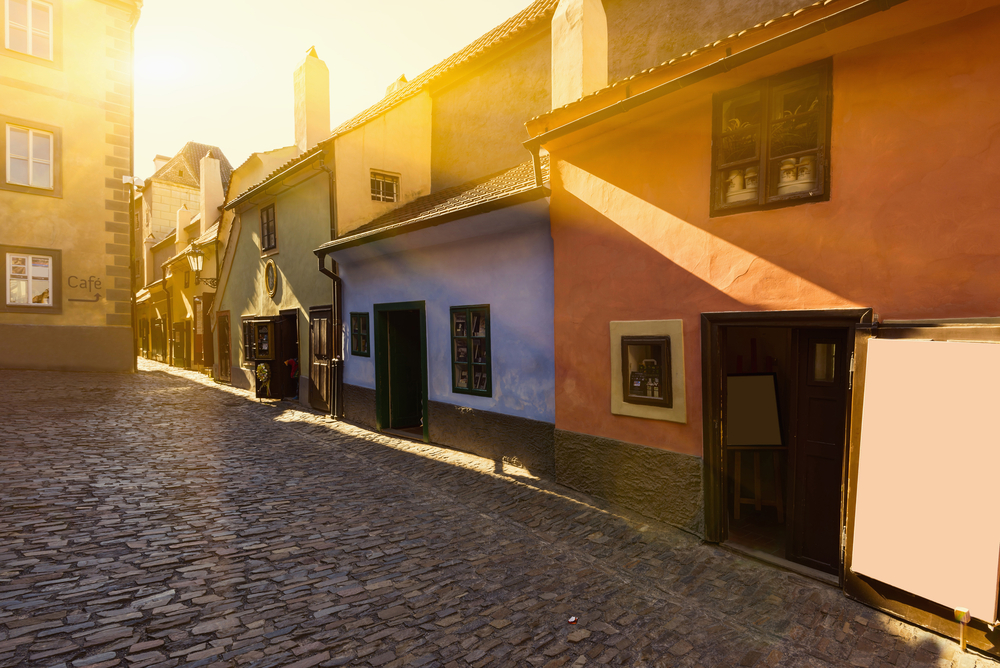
(663, 485)
(484, 433)
(66, 348)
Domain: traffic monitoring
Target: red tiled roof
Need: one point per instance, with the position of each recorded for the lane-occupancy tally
(454, 200)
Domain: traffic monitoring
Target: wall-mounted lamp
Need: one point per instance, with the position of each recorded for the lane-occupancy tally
(196, 259)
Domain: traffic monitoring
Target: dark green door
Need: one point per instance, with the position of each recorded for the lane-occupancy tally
(405, 377)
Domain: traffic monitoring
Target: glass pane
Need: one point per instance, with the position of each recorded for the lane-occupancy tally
(41, 175)
(18, 147)
(793, 175)
(40, 45)
(39, 267)
(461, 350)
(739, 185)
(40, 292)
(40, 18)
(462, 376)
(18, 171)
(364, 324)
(18, 39)
(459, 322)
(18, 12)
(479, 377)
(479, 323)
(826, 362)
(479, 350)
(741, 113)
(797, 97)
(645, 366)
(355, 324)
(795, 116)
(792, 135)
(18, 292)
(41, 144)
(18, 265)
(364, 343)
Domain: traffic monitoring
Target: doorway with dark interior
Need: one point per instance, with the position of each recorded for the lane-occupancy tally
(287, 360)
(779, 388)
(401, 369)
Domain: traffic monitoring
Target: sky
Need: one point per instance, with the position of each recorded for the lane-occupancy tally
(220, 71)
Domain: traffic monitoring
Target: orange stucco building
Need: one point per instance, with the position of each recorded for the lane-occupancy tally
(748, 217)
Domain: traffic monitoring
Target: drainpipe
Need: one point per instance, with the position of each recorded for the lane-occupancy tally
(336, 363)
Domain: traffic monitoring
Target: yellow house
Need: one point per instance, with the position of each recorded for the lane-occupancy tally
(66, 137)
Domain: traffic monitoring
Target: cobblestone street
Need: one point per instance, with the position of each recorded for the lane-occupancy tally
(162, 520)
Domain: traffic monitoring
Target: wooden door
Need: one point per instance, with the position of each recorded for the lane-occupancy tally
(320, 353)
(819, 448)
(288, 351)
(224, 342)
(405, 405)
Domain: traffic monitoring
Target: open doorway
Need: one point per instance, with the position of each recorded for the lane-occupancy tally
(779, 389)
(401, 369)
(288, 352)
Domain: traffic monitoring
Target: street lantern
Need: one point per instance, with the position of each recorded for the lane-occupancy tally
(196, 258)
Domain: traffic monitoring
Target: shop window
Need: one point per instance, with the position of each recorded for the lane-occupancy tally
(771, 141)
(29, 28)
(31, 280)
(360, 337)
(646, 370)
(249, 348)
(268, 231)
(470, 350)
(385, 187)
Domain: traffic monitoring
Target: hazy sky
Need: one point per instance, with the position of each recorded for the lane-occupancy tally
(220, 71)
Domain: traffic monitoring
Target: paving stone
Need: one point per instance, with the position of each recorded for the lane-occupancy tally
(159, 519)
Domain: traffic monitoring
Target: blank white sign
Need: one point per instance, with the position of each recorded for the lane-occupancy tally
(929, 472)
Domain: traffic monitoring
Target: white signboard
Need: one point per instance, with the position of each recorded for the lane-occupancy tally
(929, 472)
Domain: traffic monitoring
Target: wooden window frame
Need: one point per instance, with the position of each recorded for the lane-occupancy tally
(767, 166)
(469, 339)
(378, 191)
(54, 307)
(268, 230)
(31, 29)
(363, 335)
(666, 398)
(248, 334)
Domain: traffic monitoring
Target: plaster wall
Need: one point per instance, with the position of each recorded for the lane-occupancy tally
(82, 96)
(398, 143)
(644, 33)
(478, 122)
(504, 259)
(162, 201)
(910, 228)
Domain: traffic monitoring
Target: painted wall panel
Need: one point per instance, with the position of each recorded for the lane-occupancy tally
(503, 259)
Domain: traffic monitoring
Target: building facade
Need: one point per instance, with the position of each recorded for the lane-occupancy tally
(765, 248)
(66, 121)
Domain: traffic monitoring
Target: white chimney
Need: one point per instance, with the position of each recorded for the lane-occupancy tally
(212, 195)
(579, 50)
(396, 85)
(183, 220)
(159, 161)
(312, 101)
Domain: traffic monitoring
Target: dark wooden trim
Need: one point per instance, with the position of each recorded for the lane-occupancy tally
(350, 323)
(470, 365)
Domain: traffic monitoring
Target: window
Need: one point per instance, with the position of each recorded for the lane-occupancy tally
(268, 236)
(29, 27)
(248, 343)
(385, 188)
(187, 279)
(29, 280)
(771, 142)
(646, 374)
(29, 157)
(470, 350)
(359, 335)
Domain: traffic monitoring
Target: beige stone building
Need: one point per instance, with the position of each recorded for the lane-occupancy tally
(66, 135)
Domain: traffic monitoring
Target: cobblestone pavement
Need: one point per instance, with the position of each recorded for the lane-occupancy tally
(161, 520)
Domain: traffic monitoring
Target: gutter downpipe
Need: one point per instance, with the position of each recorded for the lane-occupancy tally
(724, 64)
(168, 336)
(336, 361)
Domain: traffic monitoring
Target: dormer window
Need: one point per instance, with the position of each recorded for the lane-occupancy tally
(29, 28)
(385, 187)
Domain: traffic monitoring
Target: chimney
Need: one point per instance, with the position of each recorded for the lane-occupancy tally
(579, 50)
(312, 101)
(396, 85)
(212, 195)
(159, 161)
(151, 271)
(183, 220)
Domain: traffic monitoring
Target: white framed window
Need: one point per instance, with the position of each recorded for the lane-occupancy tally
(385, 187)
(29, 280)
(29, 27)
(29, 157)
